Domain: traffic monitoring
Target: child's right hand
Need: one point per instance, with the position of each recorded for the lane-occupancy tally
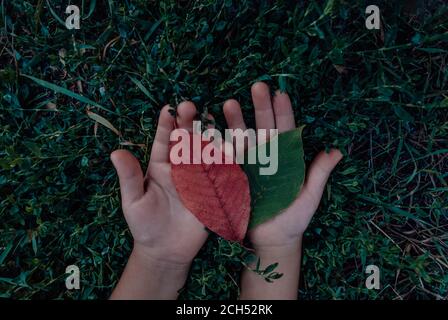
(163, 229)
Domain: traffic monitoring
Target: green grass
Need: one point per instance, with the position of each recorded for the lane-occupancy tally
(381, 96)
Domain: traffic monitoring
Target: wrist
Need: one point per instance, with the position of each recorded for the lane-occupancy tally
(156, 260)
(281, 249)
(148, 277)
(287, 255)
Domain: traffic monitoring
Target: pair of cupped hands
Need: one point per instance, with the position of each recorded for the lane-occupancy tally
(164, 230)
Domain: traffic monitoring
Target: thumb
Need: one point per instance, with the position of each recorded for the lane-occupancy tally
(130, 175)
(320, 171)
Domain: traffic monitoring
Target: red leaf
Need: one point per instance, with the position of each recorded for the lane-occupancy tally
(217, 194)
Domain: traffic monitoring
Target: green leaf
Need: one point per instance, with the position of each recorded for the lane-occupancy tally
(143, 89)
(62, 22)
(34, 243)
(91, 9)
(443, 103)
(270, 268)
(432, 50)
(270, 194)
(282, 83)
(329, 7)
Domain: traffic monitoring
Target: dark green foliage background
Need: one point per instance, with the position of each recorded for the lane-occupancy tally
(381, 96)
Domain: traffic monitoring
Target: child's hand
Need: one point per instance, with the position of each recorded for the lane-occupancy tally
(166, 235)
(285, 228)
(281, 236)
(159, 223)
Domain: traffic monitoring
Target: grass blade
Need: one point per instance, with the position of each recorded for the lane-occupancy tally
(104, 122)
(66, 92)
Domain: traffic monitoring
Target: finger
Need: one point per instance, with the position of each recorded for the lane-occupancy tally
(320, 171)
(186, 112)
(130, 176)
(261, 97)
(235, 120)
(284, 116)
(233, 115)
(160, 146)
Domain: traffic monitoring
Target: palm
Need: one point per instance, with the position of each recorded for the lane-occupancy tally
(277, 113)
(288, 225)
(186, 234)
